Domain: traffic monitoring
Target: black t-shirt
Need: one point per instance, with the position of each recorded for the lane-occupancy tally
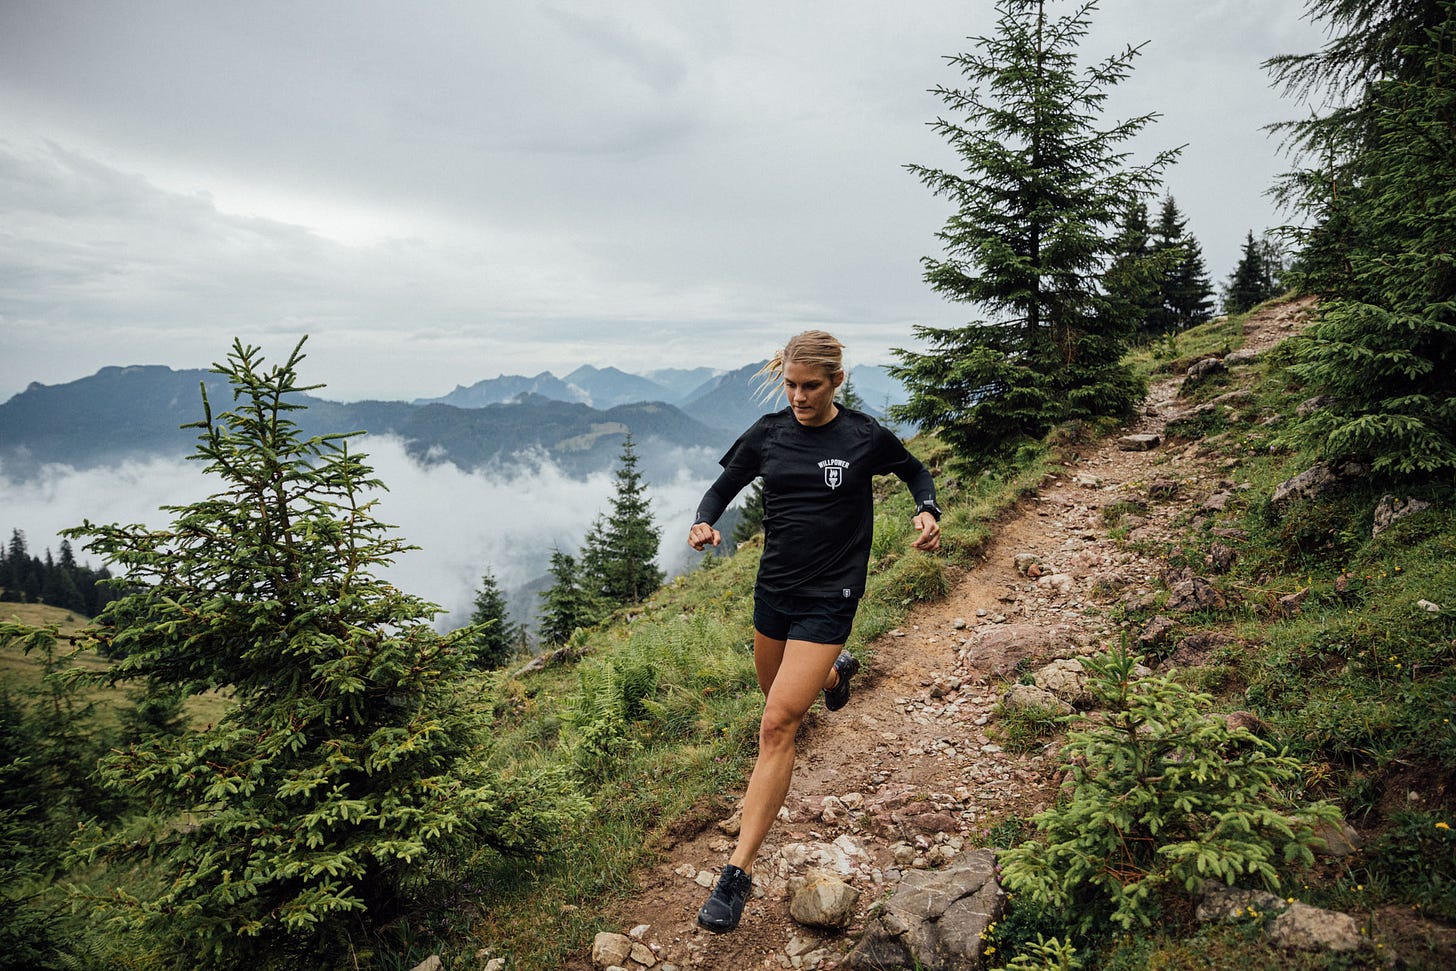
(818, 503)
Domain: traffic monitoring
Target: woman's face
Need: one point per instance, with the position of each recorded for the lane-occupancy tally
(810, 391)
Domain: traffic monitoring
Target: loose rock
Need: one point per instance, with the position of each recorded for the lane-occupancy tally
(610, 949)
(1139, 443)
(1390, 510)
(935, 918)
(821, 900)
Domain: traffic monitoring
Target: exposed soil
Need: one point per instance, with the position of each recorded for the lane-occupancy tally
(910, 760)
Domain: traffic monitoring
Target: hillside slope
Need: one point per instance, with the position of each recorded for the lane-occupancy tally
(915, 758)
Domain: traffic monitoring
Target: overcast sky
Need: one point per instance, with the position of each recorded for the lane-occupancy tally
(442, 192)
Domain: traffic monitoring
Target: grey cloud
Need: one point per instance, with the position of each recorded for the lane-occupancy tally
(666, 182)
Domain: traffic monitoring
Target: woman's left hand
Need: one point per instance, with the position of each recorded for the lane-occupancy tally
(929, 538)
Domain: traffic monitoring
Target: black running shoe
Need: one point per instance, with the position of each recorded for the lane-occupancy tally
(838, 696)
(725, 905)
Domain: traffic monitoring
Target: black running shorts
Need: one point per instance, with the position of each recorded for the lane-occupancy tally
(818, 620)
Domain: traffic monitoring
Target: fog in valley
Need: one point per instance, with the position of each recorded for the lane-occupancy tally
(464, 522)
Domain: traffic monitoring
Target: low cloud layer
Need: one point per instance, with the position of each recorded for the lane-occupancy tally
(463, 522)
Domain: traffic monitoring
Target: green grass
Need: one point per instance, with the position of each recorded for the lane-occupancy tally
(19, 670)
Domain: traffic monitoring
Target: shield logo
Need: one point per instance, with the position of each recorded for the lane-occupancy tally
(833, 476)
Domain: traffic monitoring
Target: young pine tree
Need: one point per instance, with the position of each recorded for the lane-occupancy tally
(498, 638)
(351, 765)
(1035, 224)
(617, 560)
(568, 604)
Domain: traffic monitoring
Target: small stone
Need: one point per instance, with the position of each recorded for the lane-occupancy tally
(705, 879)
(800, 946)
(959, 624)
(639, 932)
(1428, 606)
(642, 954)
(431, 963)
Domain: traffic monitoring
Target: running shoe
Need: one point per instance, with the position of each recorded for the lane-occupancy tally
(725, 905)
(837, 697)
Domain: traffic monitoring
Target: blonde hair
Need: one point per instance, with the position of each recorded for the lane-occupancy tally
(812, 348)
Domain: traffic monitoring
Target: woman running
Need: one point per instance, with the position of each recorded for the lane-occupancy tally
(818, 461)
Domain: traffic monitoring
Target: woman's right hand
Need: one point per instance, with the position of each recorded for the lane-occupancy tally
(703, 535)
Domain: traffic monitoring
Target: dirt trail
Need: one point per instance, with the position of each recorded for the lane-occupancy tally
(909, 761)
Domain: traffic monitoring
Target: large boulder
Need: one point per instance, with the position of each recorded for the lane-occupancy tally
(1293, 925)
(1318, 480)
(935, 918)
(998, 649)
(1020, 697)
(1390, 509)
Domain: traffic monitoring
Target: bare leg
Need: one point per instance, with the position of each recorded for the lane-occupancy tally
(768, 654)
(792, 676)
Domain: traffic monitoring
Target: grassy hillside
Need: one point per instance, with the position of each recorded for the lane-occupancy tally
(1327, 640)
(1356, 680)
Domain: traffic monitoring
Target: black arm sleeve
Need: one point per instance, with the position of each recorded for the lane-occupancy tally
(894, 459)
(721, 493)
(918, 478)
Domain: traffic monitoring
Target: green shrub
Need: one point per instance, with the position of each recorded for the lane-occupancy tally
(912, 579)
(1044, 954)
(1163, 797)
(353, 764)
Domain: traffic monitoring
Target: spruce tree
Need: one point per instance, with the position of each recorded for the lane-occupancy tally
(1035, 223)
(1185, 295)
(1384, 346)
(1135, 272)
(617, 560)
(498, 638)
(568, 604)
(352, 765)
(1244, 290)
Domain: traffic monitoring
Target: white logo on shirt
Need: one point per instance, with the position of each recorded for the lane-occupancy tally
(834, 472)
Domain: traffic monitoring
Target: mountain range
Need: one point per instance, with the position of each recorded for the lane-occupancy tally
(577, 422)
(724, 399)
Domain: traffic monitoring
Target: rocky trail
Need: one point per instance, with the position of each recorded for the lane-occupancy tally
(908, 774)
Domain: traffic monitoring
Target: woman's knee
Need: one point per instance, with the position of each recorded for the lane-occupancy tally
(779, 726)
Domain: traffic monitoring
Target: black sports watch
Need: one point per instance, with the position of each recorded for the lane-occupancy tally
(929, 506)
